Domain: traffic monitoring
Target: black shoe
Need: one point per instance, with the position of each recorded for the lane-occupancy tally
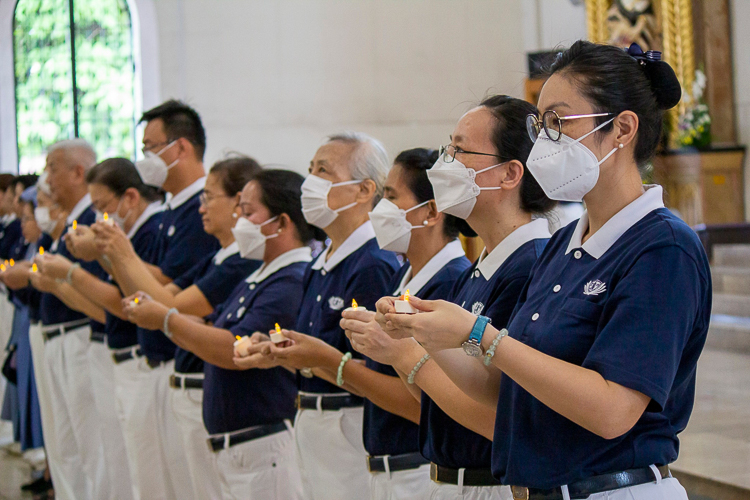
(41, 485)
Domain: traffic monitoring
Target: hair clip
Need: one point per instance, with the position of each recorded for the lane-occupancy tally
(644, 58)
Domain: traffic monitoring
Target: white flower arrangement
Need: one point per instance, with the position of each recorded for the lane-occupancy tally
(694, 125)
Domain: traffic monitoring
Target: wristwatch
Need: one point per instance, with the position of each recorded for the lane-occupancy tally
(473, 346)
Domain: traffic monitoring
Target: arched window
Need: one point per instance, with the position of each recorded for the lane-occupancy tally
(74, 77)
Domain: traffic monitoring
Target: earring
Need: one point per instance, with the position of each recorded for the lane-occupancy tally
(425, 222)
(234, 215)
(621, 145)
(279, 230)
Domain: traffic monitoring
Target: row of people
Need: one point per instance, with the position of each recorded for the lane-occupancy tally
(581, 350)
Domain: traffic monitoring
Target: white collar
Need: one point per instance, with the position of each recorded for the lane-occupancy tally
(186, 193)
(150, 210)
(489, 263)
(224, 253)
(359, 237)
(302, 254)
(7, 219)
(80, 207)
(446, 254)
(601, 241)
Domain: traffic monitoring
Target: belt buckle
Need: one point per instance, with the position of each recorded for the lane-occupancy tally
(173, 381)
(298, 402)
(520, 492)
(434, 472)
(369, 468)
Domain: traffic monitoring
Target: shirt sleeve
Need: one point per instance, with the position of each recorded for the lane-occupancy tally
(217, 284)
(271, 306)
(189, 245)
(188, 278)
(653, 312)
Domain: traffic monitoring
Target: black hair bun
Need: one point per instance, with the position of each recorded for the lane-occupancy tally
(664, 82)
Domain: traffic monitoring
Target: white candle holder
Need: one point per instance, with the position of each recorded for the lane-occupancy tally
(242, 345)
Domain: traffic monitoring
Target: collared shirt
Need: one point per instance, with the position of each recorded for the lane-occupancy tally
(634, 306)
(383, 432)
(82, 205)
(359, 270)
(237, 399)
(122, 333)
(491, 288)
(177, 200)
(215, 276)
(10, 233)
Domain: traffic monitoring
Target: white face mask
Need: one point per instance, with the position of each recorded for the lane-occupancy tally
(152, 169)
(43, 220)
(455, 188)
(251, 241)
(315, 201)
(392, 230)
(566, 170)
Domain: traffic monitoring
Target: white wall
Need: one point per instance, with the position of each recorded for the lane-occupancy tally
(552, 24)
(740, 13)
(271, 78)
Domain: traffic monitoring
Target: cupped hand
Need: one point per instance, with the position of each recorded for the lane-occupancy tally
(368, 338)
(439, 325)
(53, 266)
(41, 282)
(145, 312)
(113, 242)
(81, 243)
(303, 351)
(385, 306)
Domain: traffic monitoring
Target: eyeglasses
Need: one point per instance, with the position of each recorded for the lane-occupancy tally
(152, 147)
(552, 123)
(449, 152)
(206, 199)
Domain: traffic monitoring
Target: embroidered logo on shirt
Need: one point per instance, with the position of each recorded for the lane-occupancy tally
(594, 288)
(170, 231)
(336, 303)
(477, 308)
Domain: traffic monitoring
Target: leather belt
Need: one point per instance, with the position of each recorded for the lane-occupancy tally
(592, 485)
(100, 337)
(52, 331)
(407, 461)
(183, 382)
(121, 357)
(472, 477)
(305, 402)
(224, 441)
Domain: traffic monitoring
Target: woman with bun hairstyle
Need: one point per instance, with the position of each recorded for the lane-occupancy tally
(599, 359)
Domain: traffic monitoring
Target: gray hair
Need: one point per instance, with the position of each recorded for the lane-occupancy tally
(369, 160)
(77, 151)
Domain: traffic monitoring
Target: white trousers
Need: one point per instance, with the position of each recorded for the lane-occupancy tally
(401, 485)
(263, 469)
(110, 428)
(443, 491)
(331, 455)
(75, 415)
(668, 488)
(187, 405)
(7, 310)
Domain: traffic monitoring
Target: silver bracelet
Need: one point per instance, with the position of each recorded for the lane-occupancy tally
(416, 368)
(491, 351)
(69, 276)
(165, 326)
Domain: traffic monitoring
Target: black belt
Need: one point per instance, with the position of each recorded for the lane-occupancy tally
(305, 402)
(219, 443)
(63, 329)
(472, 477)
(592, 485)
(183, 382)
(407, 461)
(121, 357)
(100, 337)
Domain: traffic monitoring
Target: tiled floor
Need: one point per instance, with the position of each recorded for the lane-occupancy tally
(715, 445)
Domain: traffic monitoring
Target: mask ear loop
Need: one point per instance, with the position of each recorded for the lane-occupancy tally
(414, 208)
(344, 183)
(490, 188)
(272, 235)
(614, 150)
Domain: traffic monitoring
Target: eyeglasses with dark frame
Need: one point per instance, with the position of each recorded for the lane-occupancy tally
(552, 123)
(449, 152)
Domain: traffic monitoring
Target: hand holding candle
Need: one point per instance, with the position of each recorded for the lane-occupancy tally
(355, 307)
(75, 225)
(241, 346)
(402, 305)
(107, 220)
(277, 337)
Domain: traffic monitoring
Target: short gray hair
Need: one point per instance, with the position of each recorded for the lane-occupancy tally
(77, 151)
(369, 159)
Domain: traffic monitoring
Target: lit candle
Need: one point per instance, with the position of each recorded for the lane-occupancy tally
(34, 268)
(278, 337)
(135, 302)
(403, 306)
(107, 220)
(241, 345)
(41, 250)
(75, 225)
(12, 262)
(355, 307)
(2, 267)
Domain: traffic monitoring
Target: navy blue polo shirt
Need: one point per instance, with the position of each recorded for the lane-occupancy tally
(10, 233)
(29, 296)
(632, 303)
(385, 433)
(358, 270)
(216, 276)
(180, 245)
(52, 310)
(122, 333)
(237, 399)
(490, 287)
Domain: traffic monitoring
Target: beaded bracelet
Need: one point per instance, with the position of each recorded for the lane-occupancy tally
(340, 376)
(416, 368)
(491, 351)
(69, 276)
(165, 326)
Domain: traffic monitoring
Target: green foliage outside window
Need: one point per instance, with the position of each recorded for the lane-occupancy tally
(104, 71)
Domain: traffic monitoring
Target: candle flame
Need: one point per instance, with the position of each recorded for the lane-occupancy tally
(75, 225)
(34, 268)
(6, 262)
(136, 300)
(41, 250)
(406, 296)
(238, 337)
(106, 216)
(12, 262)
(278, 328)
(354, 305)
(2, 267)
